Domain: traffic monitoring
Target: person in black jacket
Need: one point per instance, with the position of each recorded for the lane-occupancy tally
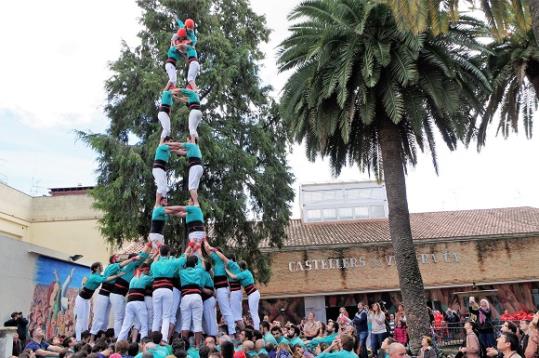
(17, 320)
(362, 328)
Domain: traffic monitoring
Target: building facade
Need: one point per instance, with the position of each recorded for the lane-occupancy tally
(65, 222)
(324, 266)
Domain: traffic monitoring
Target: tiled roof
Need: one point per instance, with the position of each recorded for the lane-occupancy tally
(434, 225)
(425, 226)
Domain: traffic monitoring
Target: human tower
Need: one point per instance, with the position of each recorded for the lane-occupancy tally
(157, 289)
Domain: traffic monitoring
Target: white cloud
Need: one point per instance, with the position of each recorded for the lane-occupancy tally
(58, 55)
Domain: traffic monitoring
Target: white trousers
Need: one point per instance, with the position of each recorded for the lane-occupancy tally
(117, 303)
(149, 308)
(176, 297)
(236, 305)
(82, 313)
(156, 239)
(223, 301)
(209, 318)
(135, 312)
(194, 69)
(162, 300)
(197, 236)
(195, 173)
(171, 72)
(191, 307)
(160, 178)
(101, 310)
(164, 119)
(254, 299)
(195, 117)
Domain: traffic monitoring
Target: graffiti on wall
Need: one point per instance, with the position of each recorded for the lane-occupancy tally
(56, 285)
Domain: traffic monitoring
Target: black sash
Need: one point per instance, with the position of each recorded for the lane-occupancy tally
(135, 294)
(161, 164)
(190, 290)
(194, 161)
(195, 226)
(121, 287)
(86, 293)
(157, 227)
(220, 281)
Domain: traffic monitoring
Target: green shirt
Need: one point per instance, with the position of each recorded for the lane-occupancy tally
(166, 267)
(190, 51)
(191, 276)
(218, 265)
(192, 352)
(193, 150)
(323, 340)
(295, 340)
(141, 281)
(194, 213)
(246, 278)
(162, 152)
(207, 280)
(192, 96)
(339, 354)
(234, 268)
(268, 338)
(94, 280)
(166, 98)
(129, 269)
(161, 351)
(173, 53)
(111, 269)
(159, 213)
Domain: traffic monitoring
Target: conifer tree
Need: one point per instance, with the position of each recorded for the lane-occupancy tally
(246, 190)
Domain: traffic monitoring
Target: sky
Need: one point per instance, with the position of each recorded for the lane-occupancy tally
(52, 74)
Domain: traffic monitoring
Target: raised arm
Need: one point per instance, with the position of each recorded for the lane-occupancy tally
(223, 257)
(127, 261)
(113, 277)
(230, 274)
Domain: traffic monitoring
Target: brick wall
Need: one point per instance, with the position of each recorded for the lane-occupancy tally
(371, 268)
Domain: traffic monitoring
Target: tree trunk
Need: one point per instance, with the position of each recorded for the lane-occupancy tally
(534, 12)
(410, 281)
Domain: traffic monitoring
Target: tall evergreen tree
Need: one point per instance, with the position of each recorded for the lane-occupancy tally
(246, 188)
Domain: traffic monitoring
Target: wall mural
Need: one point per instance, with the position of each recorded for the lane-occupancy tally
(57, 284)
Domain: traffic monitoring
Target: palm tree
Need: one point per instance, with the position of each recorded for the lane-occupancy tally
(513, 65)
(362, 91)
(418, 15)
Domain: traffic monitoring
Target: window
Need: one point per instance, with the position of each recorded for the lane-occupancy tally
(377, 211)
(312, 196)
(329, 214)
(353, 194)
(313, 215)
(329, 194)
(346, 213)
(361, 212)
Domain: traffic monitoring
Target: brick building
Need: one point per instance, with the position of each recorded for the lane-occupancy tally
(325, 265)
